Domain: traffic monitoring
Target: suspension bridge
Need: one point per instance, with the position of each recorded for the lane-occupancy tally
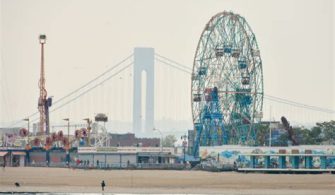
(111, 92)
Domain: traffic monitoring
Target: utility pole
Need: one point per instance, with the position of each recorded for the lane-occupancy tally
(161, 144)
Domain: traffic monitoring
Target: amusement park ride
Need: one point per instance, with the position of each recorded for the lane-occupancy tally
(91, 134)
(83, 136)
(227, 83)
(43, 102)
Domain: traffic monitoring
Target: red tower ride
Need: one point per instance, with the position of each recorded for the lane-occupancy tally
(43, 92)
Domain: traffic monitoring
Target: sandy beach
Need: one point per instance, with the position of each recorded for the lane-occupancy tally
(162, 181)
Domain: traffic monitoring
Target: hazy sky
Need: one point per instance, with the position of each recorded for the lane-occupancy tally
(84, 38)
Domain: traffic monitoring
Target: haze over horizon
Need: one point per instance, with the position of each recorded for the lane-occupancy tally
(84, 38)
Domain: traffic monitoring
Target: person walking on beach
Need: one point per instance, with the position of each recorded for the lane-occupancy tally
(103, 185)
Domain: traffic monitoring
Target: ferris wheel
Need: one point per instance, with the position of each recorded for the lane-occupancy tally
(227, 83)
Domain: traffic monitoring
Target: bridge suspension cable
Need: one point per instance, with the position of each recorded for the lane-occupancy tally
(297, 104)
(89, 89)
(272, 98)
(93, 87)
(174, 62)
(173, 66)
(96, 78)
(82, 87)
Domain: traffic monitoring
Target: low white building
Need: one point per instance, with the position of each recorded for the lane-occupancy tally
(125, 156)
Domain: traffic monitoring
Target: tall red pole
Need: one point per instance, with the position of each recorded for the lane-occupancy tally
(43, 91)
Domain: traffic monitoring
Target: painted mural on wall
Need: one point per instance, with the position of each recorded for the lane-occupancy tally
(240, 155)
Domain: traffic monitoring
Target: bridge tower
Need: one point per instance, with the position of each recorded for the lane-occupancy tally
(143, 63)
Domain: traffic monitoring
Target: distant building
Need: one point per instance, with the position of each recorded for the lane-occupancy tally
(277, 130)
(122, 157)
(129, 139)
(35, 128)
(12, 130)
(8, 136)
(273, 124)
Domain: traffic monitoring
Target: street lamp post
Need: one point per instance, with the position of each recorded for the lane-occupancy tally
(270, 135)
(27, 119)
(161, 145)
(27, 147)
(88, 120)
(68, 139)
(68, 128)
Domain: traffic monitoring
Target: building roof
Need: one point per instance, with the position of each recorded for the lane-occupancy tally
(3, 154)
